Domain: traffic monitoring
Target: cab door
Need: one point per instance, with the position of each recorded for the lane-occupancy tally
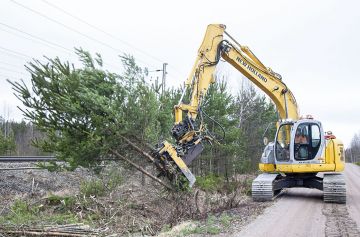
(308, 142)
(283, 143)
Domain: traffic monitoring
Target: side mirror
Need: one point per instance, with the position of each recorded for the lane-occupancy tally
(266, 141)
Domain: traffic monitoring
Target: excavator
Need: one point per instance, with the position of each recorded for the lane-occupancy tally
(301, 155)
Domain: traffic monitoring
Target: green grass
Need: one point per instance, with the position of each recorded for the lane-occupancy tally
(225, 220)
(357, 163)
(22, 212)
(62, 202)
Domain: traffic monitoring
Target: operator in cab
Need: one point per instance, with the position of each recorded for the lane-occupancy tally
(300, 136)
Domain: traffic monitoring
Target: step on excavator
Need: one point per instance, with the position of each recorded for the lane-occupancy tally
(301, 155)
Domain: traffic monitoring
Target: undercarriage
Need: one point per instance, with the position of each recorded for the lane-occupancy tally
(268, 185)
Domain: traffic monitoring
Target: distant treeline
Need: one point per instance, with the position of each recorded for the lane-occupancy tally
(16, 138)
(352, 153)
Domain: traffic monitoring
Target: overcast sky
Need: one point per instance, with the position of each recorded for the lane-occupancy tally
(314, 45)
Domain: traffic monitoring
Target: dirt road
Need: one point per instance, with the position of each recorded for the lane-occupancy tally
(302, 212)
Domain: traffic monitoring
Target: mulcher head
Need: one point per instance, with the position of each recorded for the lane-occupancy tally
(172, 166)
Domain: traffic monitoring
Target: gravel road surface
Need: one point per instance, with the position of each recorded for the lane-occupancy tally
(302, 212)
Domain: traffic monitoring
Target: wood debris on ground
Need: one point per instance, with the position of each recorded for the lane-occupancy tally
(70, 230)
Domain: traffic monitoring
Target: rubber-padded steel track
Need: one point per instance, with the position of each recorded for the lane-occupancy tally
(334, 188)
(262, 187)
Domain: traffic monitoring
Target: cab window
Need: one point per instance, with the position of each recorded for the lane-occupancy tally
(282, 145)
(315, 136)
(307, 141)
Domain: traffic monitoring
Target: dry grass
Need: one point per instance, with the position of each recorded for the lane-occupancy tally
(120, 203)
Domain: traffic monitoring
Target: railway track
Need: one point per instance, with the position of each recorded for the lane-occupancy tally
(26, 158)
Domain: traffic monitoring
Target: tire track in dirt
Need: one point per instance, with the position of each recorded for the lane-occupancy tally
(338, 221)
(352, 178)
(344, 220)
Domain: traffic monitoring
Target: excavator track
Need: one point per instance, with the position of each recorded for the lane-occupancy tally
(263, 187)
(334, 188)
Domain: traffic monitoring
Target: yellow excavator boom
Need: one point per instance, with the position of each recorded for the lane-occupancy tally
(241, 57)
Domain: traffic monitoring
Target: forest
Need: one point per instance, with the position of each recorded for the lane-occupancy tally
(352, 152)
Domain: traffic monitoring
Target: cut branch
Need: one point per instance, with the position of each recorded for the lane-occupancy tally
(145, 154)
(117, 154)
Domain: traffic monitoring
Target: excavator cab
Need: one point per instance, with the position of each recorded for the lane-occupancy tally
(299, 142)
(300, 151)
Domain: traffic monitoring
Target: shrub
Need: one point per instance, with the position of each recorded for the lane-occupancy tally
(209, 182)
(93, 187)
